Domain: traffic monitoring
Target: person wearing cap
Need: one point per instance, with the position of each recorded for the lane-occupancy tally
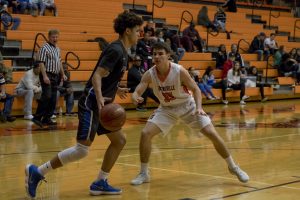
(257, 46)
(29, 87)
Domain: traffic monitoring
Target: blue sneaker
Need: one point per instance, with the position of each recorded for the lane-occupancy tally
(33, 177)
(102, 187)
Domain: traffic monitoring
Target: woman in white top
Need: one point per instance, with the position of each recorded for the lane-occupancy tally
(234, 81)
(172, 85)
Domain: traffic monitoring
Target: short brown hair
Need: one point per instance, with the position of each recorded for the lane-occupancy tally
(53, 32)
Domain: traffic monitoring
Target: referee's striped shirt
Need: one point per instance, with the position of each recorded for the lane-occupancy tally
(50, 55)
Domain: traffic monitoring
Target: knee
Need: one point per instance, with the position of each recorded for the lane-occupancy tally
(119, 143)
(146, 135)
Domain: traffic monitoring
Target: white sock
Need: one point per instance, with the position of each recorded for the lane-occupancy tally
(45, 168)
(102, 175)
(230, 162)
(144, 168)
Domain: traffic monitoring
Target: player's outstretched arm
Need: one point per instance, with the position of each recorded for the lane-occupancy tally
(140, 89)
(192, 86)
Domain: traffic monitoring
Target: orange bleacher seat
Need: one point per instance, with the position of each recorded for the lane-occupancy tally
(286, 81)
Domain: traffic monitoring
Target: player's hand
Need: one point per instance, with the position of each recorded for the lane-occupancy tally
(65, 77)
(200, 111)
(46, 80)
(138, 100)
(122, 92)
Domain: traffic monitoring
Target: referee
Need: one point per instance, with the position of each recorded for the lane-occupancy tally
(51, 75)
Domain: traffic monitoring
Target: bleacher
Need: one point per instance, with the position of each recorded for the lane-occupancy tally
(80, 21)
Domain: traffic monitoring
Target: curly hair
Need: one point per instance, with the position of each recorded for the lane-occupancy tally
(126, 20)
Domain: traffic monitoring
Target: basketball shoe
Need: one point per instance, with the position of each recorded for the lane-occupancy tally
(33, 177)
(102, 187)
(242, 176)
(141, 178)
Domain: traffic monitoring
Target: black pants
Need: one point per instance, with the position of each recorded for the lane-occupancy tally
(240, 86)
(47, 102)
(148, 93)
(221, 85)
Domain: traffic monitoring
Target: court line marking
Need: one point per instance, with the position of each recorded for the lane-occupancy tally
(256, 190)
(206, 175)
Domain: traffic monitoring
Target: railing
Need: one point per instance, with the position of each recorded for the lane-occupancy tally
(36, 44)
(209, 32)
(158, 6)
(256, 3)
(133, 4)
(296, 27)
(271, 15)
(68, 64)
(182, 18)
(266, 78)
(5, 14)
(239, 45)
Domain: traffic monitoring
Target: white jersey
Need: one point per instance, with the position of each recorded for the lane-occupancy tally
(170, 90)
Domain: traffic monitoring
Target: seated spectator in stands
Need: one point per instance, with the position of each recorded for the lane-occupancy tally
(150, 28)
(234, 81)
(221, 56)
(278, 56)
(203, 18)
(220, 20)
(270, 44)
(289, 67)
(254, 73)
(134, 77)
(144, 49)
(208, 79)
(159, 34)
(5, 71)
(29, 87)
(13, 4)
(195, 42)
(257, 46)
(173, 53)
(234, 52)
(48, 4)
(8, 20)
(230, 5)
(293, 53)
(23, 6)
(66, 91)
(298, 55)
(8, 102)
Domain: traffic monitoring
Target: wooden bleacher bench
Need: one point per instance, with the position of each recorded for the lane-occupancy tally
(286, 81)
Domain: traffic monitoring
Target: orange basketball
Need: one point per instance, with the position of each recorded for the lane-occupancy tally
(112, 116)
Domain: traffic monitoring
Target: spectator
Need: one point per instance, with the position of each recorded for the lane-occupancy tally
(134, 77)
(230, 5)
(234, 81)
(173, 54)
(8, 102)
(36, 6)
(257, 46)
(5, 71)
(203, 18)
(258, 82)
(205, 89)
(220, 20)
(293, 53)
(289, 67)
(51, 74)
(66, 90)
(221, 56)
(144, 49)
(270, 44)
(297, 58)
(234, 52)
(24, 5)
(194, 39)
(278, 56)
(49, 4)
(150, 28)
(8, 20)
(209, 81)
(30, 88)
(159, 34)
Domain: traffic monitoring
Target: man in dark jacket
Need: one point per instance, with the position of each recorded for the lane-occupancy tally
(257, 46)
(230, 5)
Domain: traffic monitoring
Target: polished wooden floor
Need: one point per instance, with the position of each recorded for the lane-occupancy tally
(264, 139)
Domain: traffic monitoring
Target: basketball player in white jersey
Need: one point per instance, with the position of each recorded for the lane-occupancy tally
(171, 84)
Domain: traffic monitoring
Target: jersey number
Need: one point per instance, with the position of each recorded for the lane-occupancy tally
(168, 96)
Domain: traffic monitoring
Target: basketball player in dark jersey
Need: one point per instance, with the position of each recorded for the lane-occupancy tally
(102, 84)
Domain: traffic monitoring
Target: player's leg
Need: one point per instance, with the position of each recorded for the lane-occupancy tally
(149, 131)
(101, 186)
(223, 151)
(88, 124)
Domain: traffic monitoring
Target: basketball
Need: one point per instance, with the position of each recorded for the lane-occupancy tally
(112, 116)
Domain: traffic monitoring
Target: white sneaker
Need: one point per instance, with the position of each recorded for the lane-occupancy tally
(28, 117)
(242, 176)
(225, 102)
(141, 178)
(242, 102)
(245, 97)
(53, 117)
